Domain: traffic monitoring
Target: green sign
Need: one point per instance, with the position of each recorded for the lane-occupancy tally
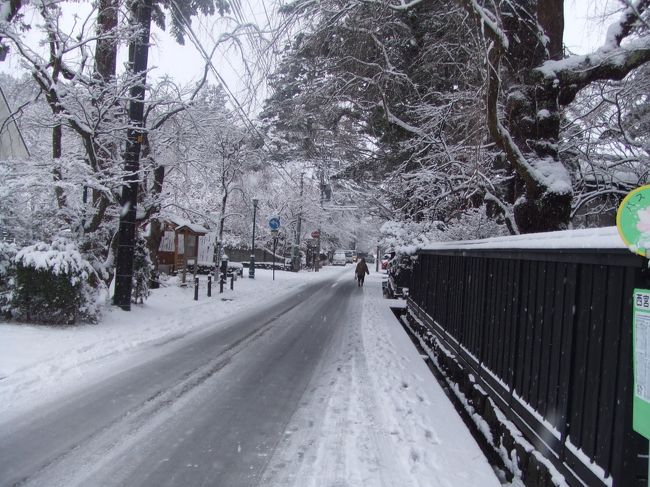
(641, 332)
(633, 220)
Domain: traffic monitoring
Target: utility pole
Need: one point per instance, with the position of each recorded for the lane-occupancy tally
(296, 244)
(138, 59)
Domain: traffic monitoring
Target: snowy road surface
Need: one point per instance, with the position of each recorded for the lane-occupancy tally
(319, 388)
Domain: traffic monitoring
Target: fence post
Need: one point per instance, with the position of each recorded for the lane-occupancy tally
(209, 285)
(196, 289)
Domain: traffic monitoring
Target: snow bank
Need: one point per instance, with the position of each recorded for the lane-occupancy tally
(590, 238)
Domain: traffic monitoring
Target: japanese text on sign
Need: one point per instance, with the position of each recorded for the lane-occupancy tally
(642, 345)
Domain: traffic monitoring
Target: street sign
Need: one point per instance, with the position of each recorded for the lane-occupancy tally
(274, 233)
(641, 343)
(633, 220)
(315, 234)
(274, 222)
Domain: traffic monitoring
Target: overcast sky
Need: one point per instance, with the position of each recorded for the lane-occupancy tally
(584, 32)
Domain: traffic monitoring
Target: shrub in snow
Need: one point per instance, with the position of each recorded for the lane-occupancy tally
(142, 266)
(7, 273)
(52, 284)
(472, 224)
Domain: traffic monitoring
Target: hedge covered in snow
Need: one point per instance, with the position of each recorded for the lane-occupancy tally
(52, 284)
(7, 271)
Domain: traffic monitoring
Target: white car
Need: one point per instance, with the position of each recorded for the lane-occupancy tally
(339, 258)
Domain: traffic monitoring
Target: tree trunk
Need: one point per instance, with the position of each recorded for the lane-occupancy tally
(57, 137)
(106, 151)
(106, 50)
(138, 60)
(530, 129)
(550, 14)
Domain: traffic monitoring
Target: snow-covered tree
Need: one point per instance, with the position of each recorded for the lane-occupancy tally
(142, 267)
(507, 56)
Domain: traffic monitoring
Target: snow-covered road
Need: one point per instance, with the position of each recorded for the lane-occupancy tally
(316, 385)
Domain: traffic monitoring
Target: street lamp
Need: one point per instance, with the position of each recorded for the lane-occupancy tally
(251, 267)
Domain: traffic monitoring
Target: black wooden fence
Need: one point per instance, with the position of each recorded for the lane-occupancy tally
(549, 334)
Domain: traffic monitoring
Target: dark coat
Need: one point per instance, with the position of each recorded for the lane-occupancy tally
(362, 268)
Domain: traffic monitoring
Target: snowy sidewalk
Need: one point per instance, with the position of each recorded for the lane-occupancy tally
(375, 415)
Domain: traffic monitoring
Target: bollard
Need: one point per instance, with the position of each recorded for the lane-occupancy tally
(232, 282)
(221, 286)
(209, 285)
(196, 289)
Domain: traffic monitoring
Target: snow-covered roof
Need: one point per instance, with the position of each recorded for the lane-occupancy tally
(590, 238)
(182, 223)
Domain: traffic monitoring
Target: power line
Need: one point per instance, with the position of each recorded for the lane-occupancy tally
(189, 31)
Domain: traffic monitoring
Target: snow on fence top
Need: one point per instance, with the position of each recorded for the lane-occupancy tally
(590, 238)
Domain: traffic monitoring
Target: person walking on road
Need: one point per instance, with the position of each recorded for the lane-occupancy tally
(361, 271)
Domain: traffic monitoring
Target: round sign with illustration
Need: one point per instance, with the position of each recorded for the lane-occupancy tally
(633, 220)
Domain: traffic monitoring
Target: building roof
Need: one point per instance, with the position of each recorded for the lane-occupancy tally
(182, 224)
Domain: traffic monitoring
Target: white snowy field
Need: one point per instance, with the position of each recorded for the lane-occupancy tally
(373, 415)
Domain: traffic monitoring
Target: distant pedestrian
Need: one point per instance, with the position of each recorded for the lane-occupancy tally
(361, 271)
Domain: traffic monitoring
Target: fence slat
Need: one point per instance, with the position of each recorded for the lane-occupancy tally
(547, 345)
(607, 397)
(594, 372)
(538, 331)
(513, 319)
(580, 348)
(557, 356)
(569, 332)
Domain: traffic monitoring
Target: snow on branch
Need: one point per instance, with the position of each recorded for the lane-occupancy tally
(621, 29)
(612, 61)
(487, 19)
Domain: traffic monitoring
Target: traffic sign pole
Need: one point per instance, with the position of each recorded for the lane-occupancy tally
(274, 225)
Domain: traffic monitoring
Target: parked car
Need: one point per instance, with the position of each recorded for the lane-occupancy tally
(399, 274)
(349, 256)
(370, 259)
(339, 258)
(385, 260)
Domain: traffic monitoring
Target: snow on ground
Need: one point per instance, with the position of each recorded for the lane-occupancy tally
(375, 416)
(39, 362)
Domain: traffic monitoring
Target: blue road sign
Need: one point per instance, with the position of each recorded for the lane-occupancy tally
(274, 223)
